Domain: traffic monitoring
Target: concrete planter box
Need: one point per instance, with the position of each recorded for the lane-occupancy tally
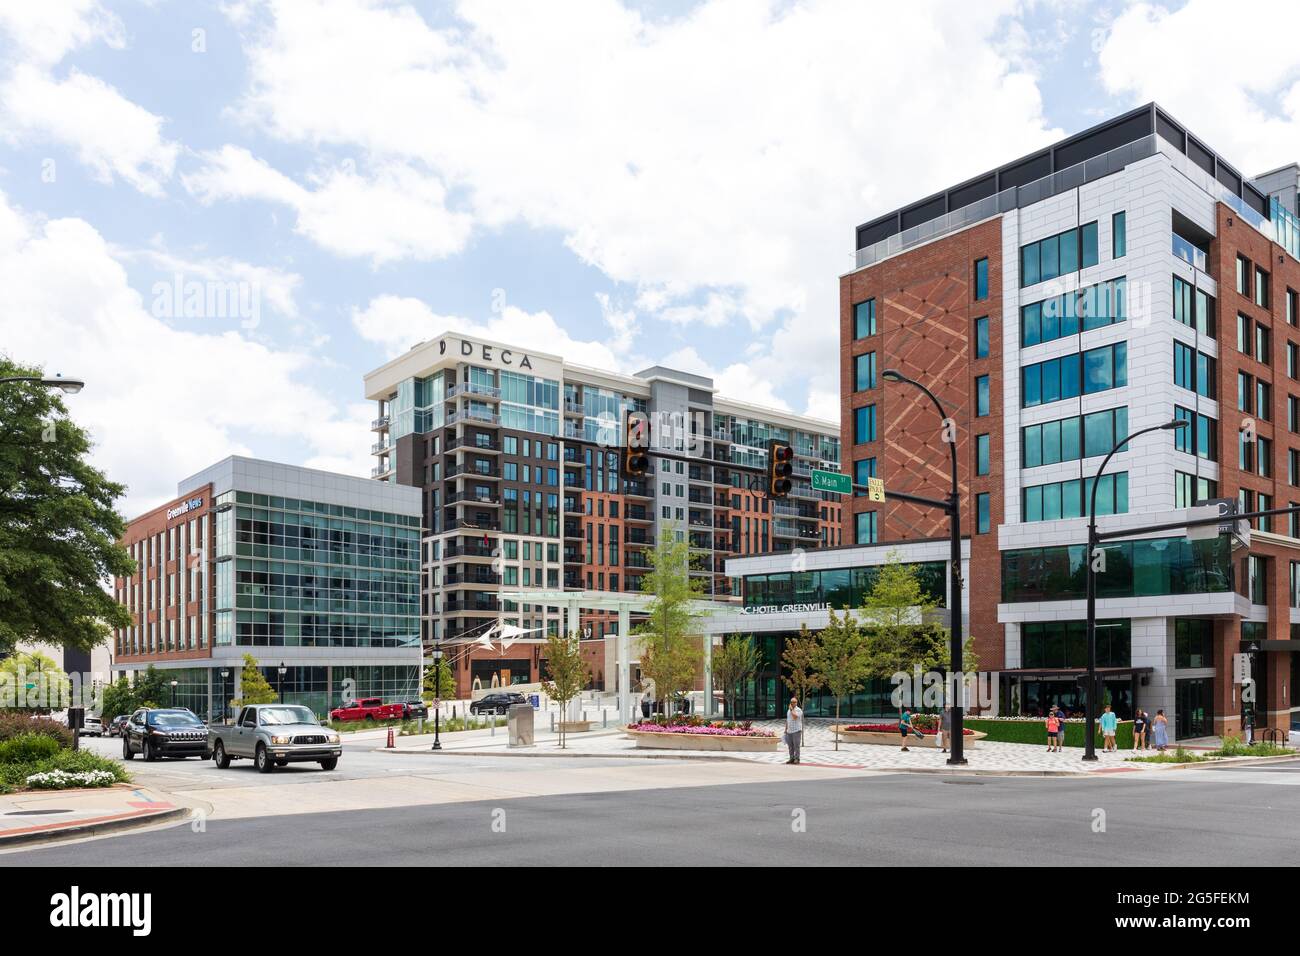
(892, 739)
(656, 741)
(574, 726)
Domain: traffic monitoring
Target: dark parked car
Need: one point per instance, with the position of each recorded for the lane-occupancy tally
(114, 727)
(414, 709)
(497, 702)
(166, 732)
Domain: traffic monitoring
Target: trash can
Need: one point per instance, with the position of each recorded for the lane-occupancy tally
(520, 725)
(645, 708)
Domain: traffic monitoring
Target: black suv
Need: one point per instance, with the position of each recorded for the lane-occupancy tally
(167, 732)
(412, 709)
(496, 703)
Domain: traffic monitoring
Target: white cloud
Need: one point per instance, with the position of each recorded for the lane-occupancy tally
(160, 402)
(108, 133)
(396, 213)
(44, 32)
(275, 287)
(398, 323)
(1250, 115)
(716, 161)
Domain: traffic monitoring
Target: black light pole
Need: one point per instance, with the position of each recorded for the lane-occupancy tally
(282, 670)
(225, 712)
(1090, 704)
(437, 698)
(956, 755)
(69, 385)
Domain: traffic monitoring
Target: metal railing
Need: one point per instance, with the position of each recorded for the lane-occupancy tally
(1189, 253)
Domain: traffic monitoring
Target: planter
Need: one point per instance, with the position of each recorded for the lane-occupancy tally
(655, 741)
(574, 726)
(894, 740)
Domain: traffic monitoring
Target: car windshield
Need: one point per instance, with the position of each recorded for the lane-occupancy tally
(175, 720)
(276, 716)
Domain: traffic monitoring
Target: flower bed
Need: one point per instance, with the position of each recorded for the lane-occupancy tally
(701, 736)
(63, 780)
(887, 733)
(39, 761)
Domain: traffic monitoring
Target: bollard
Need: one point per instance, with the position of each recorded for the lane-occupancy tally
(552, 716)
(390, 736)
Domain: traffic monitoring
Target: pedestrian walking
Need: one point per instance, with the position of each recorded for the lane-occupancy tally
(794, 729)
(1053, 722)
(1139, 729)
(1109, 721)
(945, 729)
(1160, 731)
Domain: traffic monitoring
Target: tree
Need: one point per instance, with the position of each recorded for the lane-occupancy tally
(59, 532)
(842, 659)
(670, 654)
(37, 681)
(734, 662)
(569, 673)
(439, 682)
(254, 686)
(152, 688)
(800, 661)
(119, 698)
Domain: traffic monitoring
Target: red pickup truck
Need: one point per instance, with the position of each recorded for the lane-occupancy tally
(372, 707)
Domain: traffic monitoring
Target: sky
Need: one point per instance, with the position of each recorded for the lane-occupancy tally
(222, 214)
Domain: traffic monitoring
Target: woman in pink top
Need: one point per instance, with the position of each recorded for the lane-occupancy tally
(1053, 725)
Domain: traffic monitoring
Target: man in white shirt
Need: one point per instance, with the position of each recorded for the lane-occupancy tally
(794, 729)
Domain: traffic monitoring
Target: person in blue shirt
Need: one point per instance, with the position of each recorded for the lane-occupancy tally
(1109, 722)
(904, 724)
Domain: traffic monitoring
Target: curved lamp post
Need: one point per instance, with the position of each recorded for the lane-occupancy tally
(1090, 708)
(69, 385)
(956, 637)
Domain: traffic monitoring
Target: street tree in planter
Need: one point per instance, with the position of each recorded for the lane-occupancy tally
(569, 674)
(735, 662)
(59, 531)
(841, 659)
(36, 680)
(254, 688)
(439, 682)
(800, 662)
(671, 653)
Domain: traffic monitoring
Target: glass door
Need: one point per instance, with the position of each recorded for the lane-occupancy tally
(1193, 716)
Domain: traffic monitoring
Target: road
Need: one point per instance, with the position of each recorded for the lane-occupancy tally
(797, 816)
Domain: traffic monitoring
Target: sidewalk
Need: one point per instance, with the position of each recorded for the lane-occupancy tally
(45, 815)
(984, 757)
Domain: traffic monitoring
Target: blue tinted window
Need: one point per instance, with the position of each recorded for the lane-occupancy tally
(981, 279)
(982, 337)
(982, 395)
(864, 319)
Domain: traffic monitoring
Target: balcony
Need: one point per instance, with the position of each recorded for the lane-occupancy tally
(484, 443)
(475, 498)
(380, 471)
(1193, 256)
(482, 605)
(640, 538)
(471, 577)
(572, 530)
(381, 448)
(474, 524)
(478, 416)
(473, 389)
(574, 408)
(472, 471)
(468, 549)
(638, 514)
(573, 430)
(636, 489)
(380, 423)
(788, 529)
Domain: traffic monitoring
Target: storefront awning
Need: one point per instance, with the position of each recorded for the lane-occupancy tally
(1072, 673)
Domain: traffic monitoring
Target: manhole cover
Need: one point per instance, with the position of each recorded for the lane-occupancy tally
(33, 813)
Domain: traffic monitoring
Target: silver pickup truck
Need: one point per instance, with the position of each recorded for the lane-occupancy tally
(274, 735)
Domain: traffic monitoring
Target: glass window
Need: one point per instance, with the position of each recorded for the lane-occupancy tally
(864, 371)
(864, 424)
(982, 517)
(982, 337)
(981, 279)
(863, 469)
(1118, 240)
(864, 319)
(982, 395)
(981, 454)
(866, 527)
(1088, 241)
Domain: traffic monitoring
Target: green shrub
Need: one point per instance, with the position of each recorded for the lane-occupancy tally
(15, 723)
(1179, 755)
(1035, 732)
(14, 775)
(27, 748)
(1234, 746)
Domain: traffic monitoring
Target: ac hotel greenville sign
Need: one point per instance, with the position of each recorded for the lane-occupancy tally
(184, 507)
(785, 609)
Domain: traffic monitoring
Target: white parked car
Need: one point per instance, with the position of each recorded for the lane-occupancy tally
(94, 727)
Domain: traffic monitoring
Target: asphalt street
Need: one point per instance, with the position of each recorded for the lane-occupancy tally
(1227, 817)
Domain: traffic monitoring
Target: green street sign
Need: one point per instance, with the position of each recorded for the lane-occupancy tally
(832, 481)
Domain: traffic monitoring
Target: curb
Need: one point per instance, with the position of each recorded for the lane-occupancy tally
(1226, 762)
(101, 827)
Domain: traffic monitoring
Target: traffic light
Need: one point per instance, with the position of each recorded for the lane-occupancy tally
(780, 466)
(636, 439)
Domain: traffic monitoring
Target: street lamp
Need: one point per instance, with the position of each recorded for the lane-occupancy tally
(174, 683)
(282, 670)
(437, 698)
(1090, 705)
(71, 386)
(956, 756)
(225, 705)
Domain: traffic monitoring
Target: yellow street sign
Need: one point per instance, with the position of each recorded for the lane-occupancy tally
(875, 489)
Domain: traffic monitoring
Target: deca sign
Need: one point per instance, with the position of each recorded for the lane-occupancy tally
(488, 353)
(184, 508)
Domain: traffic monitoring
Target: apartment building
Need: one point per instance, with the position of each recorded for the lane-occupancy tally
(314, 574)
(1121, 278)
(517, 457)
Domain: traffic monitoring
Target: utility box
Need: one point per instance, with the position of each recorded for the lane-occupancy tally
(520, 725)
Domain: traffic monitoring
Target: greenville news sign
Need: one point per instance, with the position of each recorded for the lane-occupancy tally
(184, 507)
(785, 609)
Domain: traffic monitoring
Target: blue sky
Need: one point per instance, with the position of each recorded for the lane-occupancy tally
(636, 182)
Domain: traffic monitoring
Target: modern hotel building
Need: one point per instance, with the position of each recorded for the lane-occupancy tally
(1116, 280)
(516, 457)
(310, 572)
